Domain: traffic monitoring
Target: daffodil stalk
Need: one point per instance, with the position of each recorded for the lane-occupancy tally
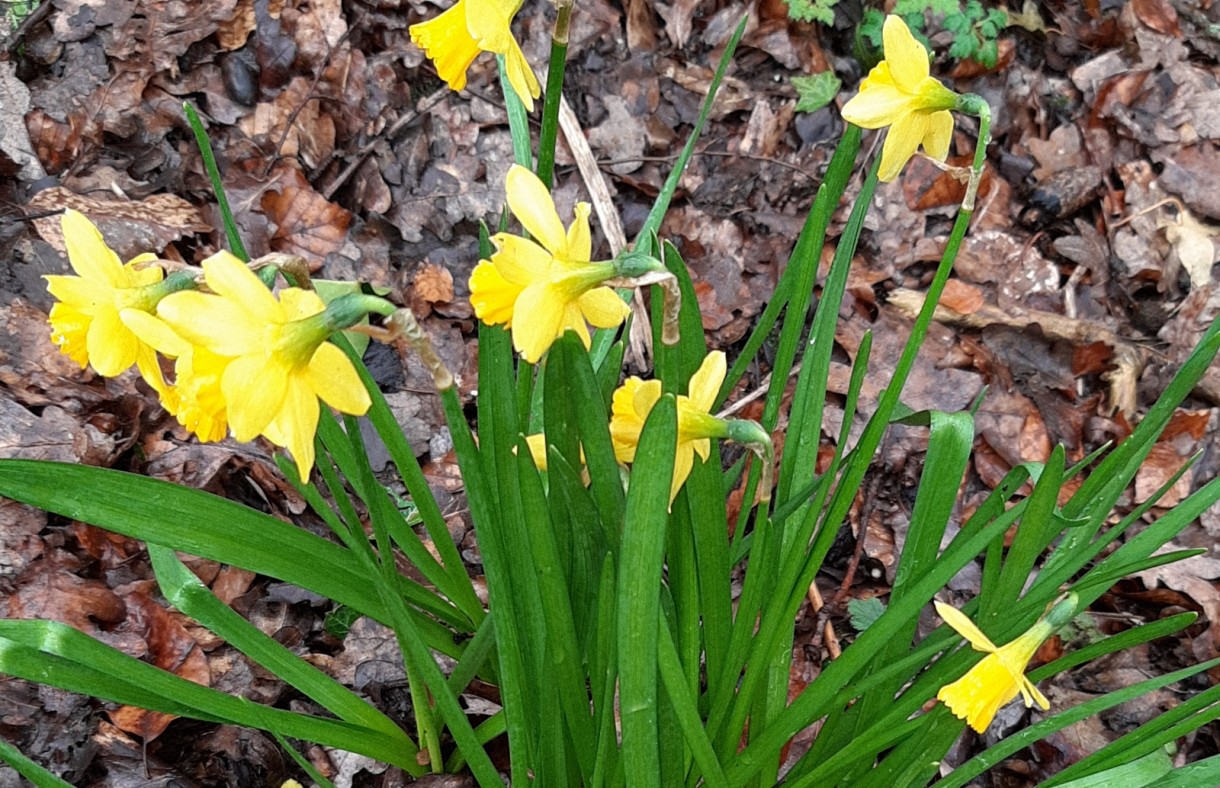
(403, 325)
(554, 91)
(751, 434)
(971, 104)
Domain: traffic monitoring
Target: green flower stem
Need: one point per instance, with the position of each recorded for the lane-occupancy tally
(554, 92)
(752, 435)
(179, 280)
(971, 104)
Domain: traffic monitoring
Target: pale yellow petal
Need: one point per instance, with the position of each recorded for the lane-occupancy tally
(335, 380)
(907, 57)
(155, 333)
(213, 322)
(939, 135)
(1033, 695)
(150, 370)
(625, 421)
(901, 142)
(537, 317)
(488, 22)
(299, 304)
(492, 296)
(142, 271)
(702, 447)
(520, 75)
(254, 388)
(520, 260)
(646, 396)
(295, 424)
(705, 383)
(447, 41)
(229, 277)
(531, 203)
(84, 294)
(684, 460)
(964, 627)
(573, 320)
(87, 251)
(602, 307)
(879, 102)
(580, 240)
(112, 347)
(537, 447)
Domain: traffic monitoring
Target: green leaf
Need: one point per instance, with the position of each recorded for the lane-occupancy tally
(816, 91)
(28, 768)
(1137, 774)
(864, 612)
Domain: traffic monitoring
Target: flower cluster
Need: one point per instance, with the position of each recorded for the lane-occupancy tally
(455, 38)
(244, 360)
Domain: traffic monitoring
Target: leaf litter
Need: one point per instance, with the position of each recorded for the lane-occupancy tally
(337, 145)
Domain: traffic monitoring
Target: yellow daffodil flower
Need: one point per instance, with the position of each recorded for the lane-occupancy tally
(996, 680)
(278, 360)
(455, 38)
(540, 290)
(200, 405)
(88, 322)
(634, 400)
(900, 93)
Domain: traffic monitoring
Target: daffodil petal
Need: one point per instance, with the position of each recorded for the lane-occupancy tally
(531, 203)
(447, 41)
(961, 624)
(907, 57)
(488, 22)
(87, 250)
(573, 320)
(83, 294)
(580, 239)
(602, 307)
(491, 295)
(901, 142)
(335, 380)
(879, 102)
(537, 317)
(978, 695)
(112, 347)
(520, 75)
(155, 333)
(150, 370)
(295, 424)
(1031, 692)
(939, 135)
(142, 271)
(254, 389)
(520, 260)
(705, 383)
(70, 332)
(229, 277)
(299, 304)
(684, 460)
(211, 321)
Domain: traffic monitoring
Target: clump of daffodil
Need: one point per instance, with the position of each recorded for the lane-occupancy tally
(89, 322)
(271, 355)
(635, 399)
(455, 38)
(996, 680)
(543, 287)
(900, 93)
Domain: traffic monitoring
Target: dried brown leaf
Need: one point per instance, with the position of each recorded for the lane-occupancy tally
(306, 223)
(130, 228)
(433, 284)
(1160, 15)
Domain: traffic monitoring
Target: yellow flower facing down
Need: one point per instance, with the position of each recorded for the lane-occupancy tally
(542, 289)
(455, 38)
(634, 400)
(1000, 676)
(88, 322)
(900, 93)
(276, 361)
